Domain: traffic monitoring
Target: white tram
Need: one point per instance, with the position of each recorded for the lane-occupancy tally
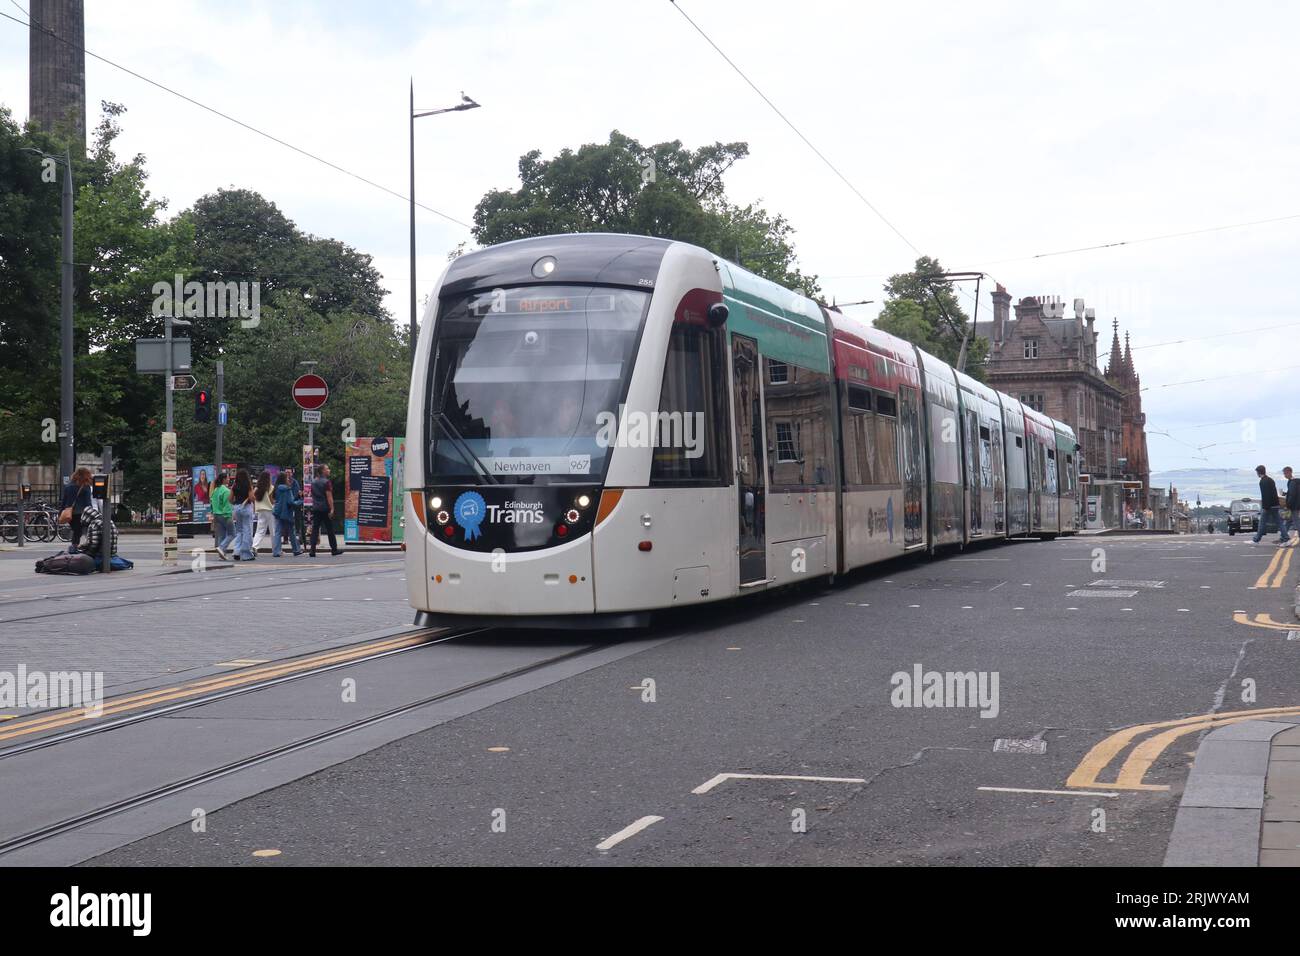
(604, 425)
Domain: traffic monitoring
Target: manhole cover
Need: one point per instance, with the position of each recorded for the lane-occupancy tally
(1102, 593)
(1005, 745)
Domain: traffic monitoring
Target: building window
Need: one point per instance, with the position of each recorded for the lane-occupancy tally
(785, 447)
(1031, 348)
(778, 373)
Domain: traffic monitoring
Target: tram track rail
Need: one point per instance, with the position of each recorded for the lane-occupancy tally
(224, 686)
(154, 794)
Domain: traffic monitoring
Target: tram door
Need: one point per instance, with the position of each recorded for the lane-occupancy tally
(751, 466)
(909, 415)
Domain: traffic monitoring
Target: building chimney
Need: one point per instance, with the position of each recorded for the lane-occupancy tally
(1001, 312)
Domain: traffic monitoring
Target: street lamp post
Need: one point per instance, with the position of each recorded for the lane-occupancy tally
(465, 104)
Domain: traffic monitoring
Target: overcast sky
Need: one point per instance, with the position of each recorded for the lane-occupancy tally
(987, 133)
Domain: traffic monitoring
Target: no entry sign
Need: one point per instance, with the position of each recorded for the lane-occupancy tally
(310, 392)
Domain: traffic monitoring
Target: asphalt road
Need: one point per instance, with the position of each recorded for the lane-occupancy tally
(800, 685)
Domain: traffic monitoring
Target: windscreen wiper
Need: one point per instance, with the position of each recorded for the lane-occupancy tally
(463, 445)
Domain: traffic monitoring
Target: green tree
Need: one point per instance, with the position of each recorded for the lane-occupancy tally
(927, 312)
(120, 240)
(321, 300)
(664, 190)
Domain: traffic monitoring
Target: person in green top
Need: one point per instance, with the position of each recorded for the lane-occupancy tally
(223, 516)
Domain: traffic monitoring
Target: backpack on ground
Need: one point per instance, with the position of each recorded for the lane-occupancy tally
(64, 563)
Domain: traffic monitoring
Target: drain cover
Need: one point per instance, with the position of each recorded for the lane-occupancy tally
(1005, 745)
(1102, 592)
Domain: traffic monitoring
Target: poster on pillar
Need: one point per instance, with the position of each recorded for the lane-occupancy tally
(169, 514)
(372, 505)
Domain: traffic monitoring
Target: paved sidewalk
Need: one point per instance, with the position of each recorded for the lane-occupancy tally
(144, 626)
(1241, 805)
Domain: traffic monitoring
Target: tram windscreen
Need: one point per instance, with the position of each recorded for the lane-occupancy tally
(523, 380)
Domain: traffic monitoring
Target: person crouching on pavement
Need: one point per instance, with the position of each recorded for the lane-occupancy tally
(1270, 510)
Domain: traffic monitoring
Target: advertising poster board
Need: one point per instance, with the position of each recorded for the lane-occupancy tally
(169, 529)
(370, 489)
(200, 492)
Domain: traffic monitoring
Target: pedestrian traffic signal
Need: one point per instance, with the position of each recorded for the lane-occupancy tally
(202, 407)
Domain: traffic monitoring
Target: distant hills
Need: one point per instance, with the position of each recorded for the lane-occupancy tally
(1215, 485)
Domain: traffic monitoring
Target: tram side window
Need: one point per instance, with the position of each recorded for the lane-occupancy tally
(1050, 469)
(800, 446)
(1070, 483)
(944, 452)
(691, 438)
(886, 440)
(859, 437)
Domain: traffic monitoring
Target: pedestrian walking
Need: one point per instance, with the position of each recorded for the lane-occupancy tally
(295, 504)
(1291, 508)
(77, 497)
(1269, 506)
(223, 519)
(264, 508)
(241, 496)
(322, 509)
(284, 513)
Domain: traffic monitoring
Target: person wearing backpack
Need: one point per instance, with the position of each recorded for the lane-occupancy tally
(322, 510)
(284, 511)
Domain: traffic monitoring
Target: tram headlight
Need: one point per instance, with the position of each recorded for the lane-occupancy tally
(435, 502)
(583, 501)
(572, 515)
(544, 266)
(442, 517)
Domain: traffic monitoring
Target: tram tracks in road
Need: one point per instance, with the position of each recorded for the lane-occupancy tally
(151, 795)
(159, 702)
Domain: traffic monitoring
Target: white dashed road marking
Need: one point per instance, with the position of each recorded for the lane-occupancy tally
(631, 830)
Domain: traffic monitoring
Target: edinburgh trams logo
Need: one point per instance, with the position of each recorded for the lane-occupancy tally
(470, 511)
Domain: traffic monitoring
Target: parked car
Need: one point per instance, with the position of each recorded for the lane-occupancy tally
(1243, 516)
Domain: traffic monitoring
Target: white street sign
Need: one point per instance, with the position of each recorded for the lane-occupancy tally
(311, 418)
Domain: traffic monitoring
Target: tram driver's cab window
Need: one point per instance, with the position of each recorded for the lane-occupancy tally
(691, 443)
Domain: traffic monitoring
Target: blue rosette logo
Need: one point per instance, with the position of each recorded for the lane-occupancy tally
(470, 510)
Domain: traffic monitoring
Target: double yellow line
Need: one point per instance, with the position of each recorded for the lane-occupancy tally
(1277, 569)
(1139, 761)
(199, 688)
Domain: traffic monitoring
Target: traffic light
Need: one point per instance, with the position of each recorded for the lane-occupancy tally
(202, 407)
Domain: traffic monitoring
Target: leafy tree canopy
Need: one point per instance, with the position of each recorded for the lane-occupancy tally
(928, 313)
(320, 300)
(664, 190)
